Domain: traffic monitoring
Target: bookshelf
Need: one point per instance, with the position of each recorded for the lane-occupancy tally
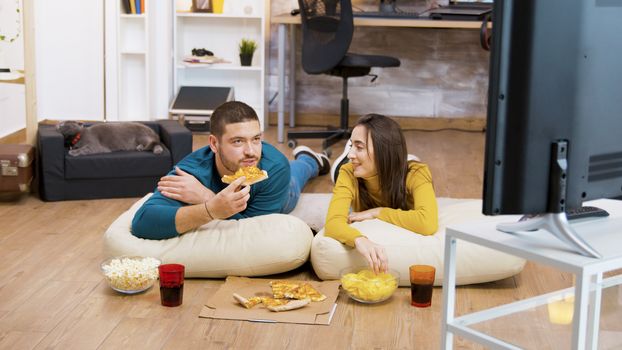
(127, 83)
(137, 48)
(221, 34)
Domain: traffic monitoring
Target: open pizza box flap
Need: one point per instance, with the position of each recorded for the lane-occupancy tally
(222, 305)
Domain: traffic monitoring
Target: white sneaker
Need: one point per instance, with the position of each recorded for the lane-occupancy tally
(322, 160)
(341, 160)
(412, 157)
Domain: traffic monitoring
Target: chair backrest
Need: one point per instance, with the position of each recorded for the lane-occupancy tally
(327, 29)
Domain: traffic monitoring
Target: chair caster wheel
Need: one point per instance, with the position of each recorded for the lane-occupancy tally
(292, 143)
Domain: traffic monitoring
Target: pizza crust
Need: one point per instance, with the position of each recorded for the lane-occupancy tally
(291, 305)
(247, 303)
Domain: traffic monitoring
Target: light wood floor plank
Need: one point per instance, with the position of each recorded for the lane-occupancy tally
(139, 333)
(89, 324)
(47, 307)
(15, 340)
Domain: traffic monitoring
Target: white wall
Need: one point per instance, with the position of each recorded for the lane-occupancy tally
(69, 49)
(12, 96)
(12, 108)
(11, 54)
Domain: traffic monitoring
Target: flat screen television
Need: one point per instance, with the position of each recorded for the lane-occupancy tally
(554, 119)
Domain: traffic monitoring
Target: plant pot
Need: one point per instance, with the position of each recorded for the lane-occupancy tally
(246, 59)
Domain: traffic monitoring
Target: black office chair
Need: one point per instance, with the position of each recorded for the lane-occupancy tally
(327, 29)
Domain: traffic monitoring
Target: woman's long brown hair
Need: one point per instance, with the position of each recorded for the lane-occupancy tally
(390, 158)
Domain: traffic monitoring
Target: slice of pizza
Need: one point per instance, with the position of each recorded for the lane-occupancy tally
(305, 291)
(252, 173)
(281, 287)
(295, 290)
(271, 304)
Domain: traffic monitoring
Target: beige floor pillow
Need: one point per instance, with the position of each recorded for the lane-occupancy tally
(249, 247)
(475, 264)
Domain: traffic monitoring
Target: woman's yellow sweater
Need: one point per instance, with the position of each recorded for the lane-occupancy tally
(422, 216)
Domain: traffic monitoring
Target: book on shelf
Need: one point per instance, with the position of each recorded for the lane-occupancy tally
(133, 7)
(126, 6)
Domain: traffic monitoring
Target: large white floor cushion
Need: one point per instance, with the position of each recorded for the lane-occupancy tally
(312, 208)
(249, 247)
(475, 264)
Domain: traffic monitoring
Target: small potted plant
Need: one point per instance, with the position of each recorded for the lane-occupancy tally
(247, 48)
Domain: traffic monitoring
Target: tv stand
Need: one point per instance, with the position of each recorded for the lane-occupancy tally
(557, 224)
(555, 220)
(604, 235)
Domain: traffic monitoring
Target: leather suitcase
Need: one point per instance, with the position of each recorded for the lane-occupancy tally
(16, 162)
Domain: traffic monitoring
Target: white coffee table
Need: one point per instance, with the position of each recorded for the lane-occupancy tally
(604, 235)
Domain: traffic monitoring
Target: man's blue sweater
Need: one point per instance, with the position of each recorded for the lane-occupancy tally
(156, 218)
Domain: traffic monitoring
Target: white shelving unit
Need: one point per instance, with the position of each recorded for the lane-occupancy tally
(127, 93)
(134, 66)
(137, 60)
(221, 34)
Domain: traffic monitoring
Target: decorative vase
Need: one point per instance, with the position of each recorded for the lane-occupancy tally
(246, 59)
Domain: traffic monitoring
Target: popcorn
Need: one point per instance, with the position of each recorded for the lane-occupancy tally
(131, 273)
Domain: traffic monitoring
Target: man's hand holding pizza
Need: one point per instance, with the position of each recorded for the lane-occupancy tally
(230, 200)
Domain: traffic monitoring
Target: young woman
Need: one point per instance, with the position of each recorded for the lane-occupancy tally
(379, 182)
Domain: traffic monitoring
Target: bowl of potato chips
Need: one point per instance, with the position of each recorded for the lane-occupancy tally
(364, 285)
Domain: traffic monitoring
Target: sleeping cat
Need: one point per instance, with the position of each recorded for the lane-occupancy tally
(109, 137)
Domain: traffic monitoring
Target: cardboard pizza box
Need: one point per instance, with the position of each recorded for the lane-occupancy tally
(222, 305)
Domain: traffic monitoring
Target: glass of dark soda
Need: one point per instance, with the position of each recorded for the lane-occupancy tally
(421, 285)
(171, 284)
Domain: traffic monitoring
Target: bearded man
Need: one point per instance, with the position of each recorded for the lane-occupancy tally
(193, 193)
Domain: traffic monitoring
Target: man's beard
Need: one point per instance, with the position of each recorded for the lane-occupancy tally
(233, 166)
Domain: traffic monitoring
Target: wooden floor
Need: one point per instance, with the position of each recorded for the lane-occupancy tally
(53, 295)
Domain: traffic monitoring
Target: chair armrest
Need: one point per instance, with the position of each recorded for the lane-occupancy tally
(177, 138)
(51, 146)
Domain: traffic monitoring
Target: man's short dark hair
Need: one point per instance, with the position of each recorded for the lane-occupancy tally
(230, 113)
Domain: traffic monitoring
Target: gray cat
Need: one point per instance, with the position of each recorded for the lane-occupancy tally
(109, 137)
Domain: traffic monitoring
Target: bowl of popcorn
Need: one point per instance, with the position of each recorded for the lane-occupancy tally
(130, 274)
(364, 285)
